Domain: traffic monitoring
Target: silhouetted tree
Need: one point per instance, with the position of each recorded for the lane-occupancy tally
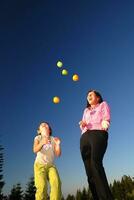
(16, 193)
(78, 195)
(85, 195)
(70, 197)
(62, 198)
(30, 190)
(117, 190)
(124, 189)
(121, 190)
(128, 187)
(1, 171)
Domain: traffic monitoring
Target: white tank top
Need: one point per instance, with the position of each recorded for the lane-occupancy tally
(46, 154)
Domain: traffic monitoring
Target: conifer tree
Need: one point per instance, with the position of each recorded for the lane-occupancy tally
(30, 190)
(1, 171)
(70, 197)
(16, 192)
(78, 195)
(62, 198)
(85, 195)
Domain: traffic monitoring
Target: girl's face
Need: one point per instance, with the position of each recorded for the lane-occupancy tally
(44, 129)
(92, 98)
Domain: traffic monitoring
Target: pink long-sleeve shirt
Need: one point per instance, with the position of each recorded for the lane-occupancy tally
(94, 117)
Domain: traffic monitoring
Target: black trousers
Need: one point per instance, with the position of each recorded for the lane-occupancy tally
(93, 145)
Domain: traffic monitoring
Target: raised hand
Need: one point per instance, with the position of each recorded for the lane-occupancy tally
(57, 140)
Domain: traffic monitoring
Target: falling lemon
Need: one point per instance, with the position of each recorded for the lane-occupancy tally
(75, 77)
(64, 72)
(59, 64)
(56, 100)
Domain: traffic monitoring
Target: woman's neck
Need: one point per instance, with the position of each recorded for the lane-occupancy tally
(45, 135)
(94, 106)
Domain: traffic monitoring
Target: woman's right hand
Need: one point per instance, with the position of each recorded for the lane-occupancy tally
(82, 124)
(39, 144)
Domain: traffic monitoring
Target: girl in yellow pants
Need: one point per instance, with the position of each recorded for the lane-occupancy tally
(45, 171)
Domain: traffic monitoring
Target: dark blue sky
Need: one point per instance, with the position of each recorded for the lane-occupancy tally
(94, 39)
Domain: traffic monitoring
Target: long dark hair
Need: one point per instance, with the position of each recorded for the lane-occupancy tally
(97, 94)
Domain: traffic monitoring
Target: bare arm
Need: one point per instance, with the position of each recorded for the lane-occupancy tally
(57, 148)
(38, 145)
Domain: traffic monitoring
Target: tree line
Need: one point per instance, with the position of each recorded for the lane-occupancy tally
(121, 189)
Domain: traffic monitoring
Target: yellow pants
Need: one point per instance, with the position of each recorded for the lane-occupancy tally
(42, 174)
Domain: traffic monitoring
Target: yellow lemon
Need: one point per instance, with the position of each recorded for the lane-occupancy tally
(75, 77)
(56, 99)
(64, 72)
(59, 64)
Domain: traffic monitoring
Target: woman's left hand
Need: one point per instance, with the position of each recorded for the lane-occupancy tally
(105, 125)
(57, 140)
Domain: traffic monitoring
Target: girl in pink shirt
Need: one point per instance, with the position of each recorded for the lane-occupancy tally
(93, 143)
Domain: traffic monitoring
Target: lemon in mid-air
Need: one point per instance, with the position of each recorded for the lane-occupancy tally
(56, 100)
(59, 64)
(75, 77)
(64, 72)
